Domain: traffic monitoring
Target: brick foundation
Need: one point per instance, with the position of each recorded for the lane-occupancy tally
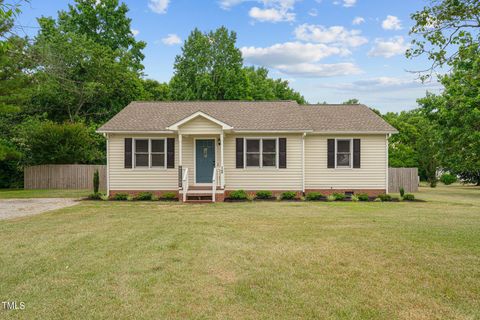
(327, 192)
(134, 193)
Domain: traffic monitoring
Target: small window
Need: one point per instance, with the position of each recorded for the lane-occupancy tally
(157, 153)
(141, 153)
(269, 153)
(253, 153)
(344, 153)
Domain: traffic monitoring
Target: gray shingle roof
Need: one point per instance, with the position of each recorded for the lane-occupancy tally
(249, 115)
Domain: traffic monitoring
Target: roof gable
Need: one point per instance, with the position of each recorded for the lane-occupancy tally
(195, 115)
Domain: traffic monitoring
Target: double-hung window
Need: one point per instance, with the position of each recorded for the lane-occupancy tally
(261, 152)
(149, 153)
(343, 153)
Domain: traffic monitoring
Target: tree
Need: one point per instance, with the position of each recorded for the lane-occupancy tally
(351, 101)
(442, 30)
(106, 23)
(456, 113)
(209, 68)
(156, 91)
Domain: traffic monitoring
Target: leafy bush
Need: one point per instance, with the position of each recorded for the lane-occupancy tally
(377, 200)
(96, 181)
(263, 194)
(385, 197)
(144, 196)
(238, 195)
(288, 195)
(120, 196)
(95, 196)
(448, 178)
(104, 197)
(169, 196)
(409, 197)
(331, 198)
(402, 192)
(362, 196)
(355, 198)
(312, 196)
(339, 196)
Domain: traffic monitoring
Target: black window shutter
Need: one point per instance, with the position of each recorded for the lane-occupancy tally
(331, 153)
(282, 153)
(128, 153)
(239, 153)
(170, 152)
(356, 153)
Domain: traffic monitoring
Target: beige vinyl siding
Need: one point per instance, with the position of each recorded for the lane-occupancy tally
(371, 174)
(121, 178)
(200, 125)
(265, 178)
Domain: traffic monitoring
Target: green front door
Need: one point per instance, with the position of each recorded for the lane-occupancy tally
(204, 160)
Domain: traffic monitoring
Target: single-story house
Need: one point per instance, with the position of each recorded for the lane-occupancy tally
(203, 150)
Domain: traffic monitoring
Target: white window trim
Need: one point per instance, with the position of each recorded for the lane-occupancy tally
(351, 153)
(134, 160)
(260, 166)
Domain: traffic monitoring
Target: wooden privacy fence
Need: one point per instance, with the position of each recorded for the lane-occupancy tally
(402, 177)
(64, 176)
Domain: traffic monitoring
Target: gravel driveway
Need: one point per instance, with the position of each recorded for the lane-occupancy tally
(13, 208)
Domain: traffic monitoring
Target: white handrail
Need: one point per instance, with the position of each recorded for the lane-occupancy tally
(185, 184)
(222, 178)
(214, 184)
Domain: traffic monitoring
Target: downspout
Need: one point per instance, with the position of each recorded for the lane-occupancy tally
(108, 165)
(386, 163)
(303, 161)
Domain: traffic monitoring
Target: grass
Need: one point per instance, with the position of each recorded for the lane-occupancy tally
(263, 260)
(53, 193)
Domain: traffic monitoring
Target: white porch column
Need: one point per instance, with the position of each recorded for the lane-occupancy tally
(222, 174)
(180, 151)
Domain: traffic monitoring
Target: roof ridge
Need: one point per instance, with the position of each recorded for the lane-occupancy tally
(217, 101)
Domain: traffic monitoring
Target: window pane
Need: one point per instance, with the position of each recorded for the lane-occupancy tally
(158, 145)
(141, 160)
(269, 160)
(343, 145)
(158, 160)
(269, 145)
(253, 145)
(141, 145)
(253, 160)
(343, 160)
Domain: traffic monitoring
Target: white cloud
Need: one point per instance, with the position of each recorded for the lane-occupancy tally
(135, 32)
(313, 12)
(300, 59)
(271, 14)
(381, 83)
(336, 35)
(349, 3)
(158, 6)
(319, 70)
(358, 20)
(389, 47)
(227, 4)
(391, 23)
(171, 40)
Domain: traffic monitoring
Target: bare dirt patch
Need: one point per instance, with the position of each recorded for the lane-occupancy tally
(14, 208)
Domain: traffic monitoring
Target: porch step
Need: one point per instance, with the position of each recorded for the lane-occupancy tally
(199, 198)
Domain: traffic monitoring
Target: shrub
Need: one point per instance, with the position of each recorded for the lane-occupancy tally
(409, 197)
(331, 198)
(362, 197)
(355, 198)
(96, 181)
(402, 192)
(144, 196)
(339, 196)
(312, 196)
(120, 196)
(288, 195)
(377, 200)
(104, 197)
(238, 195)
(130, 197)
(155, 197)
(95, 196)
(448, 178)
(169, 196)
(385, 197)
(264, 194)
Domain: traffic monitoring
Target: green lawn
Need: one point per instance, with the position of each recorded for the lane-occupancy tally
(248, 260)
(55, 193)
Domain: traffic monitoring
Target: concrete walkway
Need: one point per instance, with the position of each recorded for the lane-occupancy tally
(14, 208)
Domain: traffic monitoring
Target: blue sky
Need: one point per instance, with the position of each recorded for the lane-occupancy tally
(329, 50)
